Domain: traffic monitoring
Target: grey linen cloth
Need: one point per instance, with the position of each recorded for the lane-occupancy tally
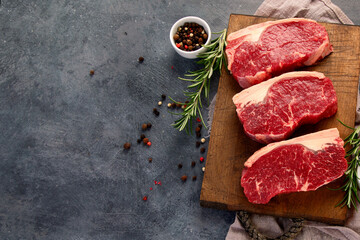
(323, 11)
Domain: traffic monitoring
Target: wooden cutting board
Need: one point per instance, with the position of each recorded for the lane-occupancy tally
(229, 147)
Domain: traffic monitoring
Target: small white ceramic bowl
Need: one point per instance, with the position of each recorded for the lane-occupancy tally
(180, 22)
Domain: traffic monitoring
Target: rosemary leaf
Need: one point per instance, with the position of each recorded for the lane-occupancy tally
(212, 60)
(351, 185)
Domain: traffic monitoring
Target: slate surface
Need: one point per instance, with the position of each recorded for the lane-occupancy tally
(63, 171)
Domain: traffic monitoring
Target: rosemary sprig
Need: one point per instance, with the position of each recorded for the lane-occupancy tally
(351, 185)
(212, 60)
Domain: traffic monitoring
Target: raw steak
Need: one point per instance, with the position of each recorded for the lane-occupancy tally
(260, 51)
(300, 164)
(272, 110)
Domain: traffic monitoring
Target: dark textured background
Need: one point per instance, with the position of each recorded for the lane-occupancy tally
(63, 171)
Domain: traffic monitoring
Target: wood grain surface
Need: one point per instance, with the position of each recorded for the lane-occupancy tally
(229, 147)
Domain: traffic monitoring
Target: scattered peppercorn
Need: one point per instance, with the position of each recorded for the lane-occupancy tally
(194, 178)
(145, 140)
(151, 188)
(197, 129)
(156, 112)
(178, 105)
(163, 97)
(125, 33)
(198, 134)
(139, 140)
(203, 140)
(183, 178)
(173, 105)
(202, 150)
(203, 169)
(198, 119)
(141, 59)
(198, 144)
(169, 105)
(142, 136)
(149, 125)
(92, 72)
(127, 145)
(179, 165)
(200, 126)
(160, 103)
(193, 163)
(148, 143)
(190, 36)
(150, 159)
(145, 198)
(201, 159)
(144, 126)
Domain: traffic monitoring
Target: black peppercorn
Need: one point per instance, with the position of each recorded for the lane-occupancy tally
(202, 150)
(150, 159)
(142, 136)
(198, 134)
(198, 144)
(194, 178)
(149, 125)
(141, 59)
(163, 97)
(144, 126)
(197, 129)
(139, 140)
(193, 163)
(92, 72)
(180, 165)
(156, 112)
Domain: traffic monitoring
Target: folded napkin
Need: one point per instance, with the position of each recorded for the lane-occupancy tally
(323, 11)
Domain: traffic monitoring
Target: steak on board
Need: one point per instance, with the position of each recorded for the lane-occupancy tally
(300, 164)
(272, 110)
(264, 50)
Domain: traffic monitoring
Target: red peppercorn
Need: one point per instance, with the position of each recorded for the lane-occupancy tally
(145, 140)
(145, 198)
(155, 182)
(178, 45)
(198, 119)
(186, 47)
(201, 159)
(159, 183)
(151, 188)
(172, 67)
(149, 144)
